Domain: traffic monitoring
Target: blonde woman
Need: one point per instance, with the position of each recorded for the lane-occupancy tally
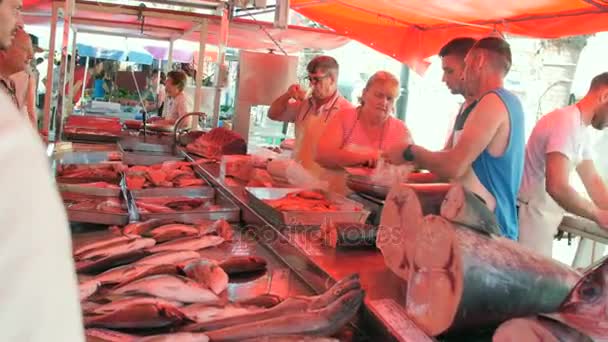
(357, 137)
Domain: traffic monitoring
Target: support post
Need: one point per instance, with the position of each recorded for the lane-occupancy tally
(48, 97)
(86, 71)
(73, 69)
(402, 101)
(198, 97)
(61, 101)
(170, 57)
(222, 41)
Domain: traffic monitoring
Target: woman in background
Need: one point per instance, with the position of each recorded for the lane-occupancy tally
(176, 104)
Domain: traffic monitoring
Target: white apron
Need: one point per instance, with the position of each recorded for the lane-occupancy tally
(308, 132)
(539, 218)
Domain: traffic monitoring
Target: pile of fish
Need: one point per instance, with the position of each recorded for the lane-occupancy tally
(169, 174)
(218, 142)
(89, 203)
(92, 125)
(100, 185)
(173, 204)
(86, 173)
(151, 279)
(304, 200)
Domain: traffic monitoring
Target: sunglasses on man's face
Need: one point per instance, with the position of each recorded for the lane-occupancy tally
(316, 79)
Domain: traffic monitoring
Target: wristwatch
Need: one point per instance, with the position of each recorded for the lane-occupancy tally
(408, 154)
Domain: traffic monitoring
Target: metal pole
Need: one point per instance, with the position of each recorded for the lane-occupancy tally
(48, 96)
(198, 98)
(61, 103)
(170, 58)
(86, 71)
(222, 41)
(401, 109)
(72, 69)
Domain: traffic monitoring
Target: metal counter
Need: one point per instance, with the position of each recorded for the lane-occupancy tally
(383, 317)
(313, 266)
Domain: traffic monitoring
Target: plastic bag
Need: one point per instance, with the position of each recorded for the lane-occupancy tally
(388, 174)
(298, 176)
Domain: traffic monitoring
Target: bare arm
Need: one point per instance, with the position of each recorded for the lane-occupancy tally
(281, 109)
(448, 143)
(479, 130)
(558, 186)
(594, 184)
(330, 153)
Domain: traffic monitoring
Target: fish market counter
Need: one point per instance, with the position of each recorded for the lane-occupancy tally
(383, 316)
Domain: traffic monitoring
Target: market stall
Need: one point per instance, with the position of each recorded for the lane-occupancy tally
(440, 274)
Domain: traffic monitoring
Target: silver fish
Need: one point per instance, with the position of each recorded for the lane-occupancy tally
(119, 304)
(291, 305)
(169, 287)
(105, 263)
(98, 244)
(177, 337)
(138, 316)
(131, 272)
(205, 313)
(117, 248)
(188, 244)
(292, 338)
(324, 322)
(139, 228)
(172, 231)
(106, 335)
(169, 257)
(88, 288)
(208, 274)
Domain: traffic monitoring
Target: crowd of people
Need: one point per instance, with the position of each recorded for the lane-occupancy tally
(526, 186)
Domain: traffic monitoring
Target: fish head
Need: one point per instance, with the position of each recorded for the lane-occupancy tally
(351, 300)
(172, 313)
(586, 308)
(589, 295)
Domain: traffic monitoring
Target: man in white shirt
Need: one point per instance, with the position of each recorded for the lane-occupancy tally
(38, 293)
(560, 143)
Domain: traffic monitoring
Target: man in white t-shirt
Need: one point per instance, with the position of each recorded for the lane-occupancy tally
(38, 295)
(560, 143)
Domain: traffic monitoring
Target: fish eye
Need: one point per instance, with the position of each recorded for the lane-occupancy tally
(589, 290)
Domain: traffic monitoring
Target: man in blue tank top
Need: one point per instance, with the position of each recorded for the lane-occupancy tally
(488, 158)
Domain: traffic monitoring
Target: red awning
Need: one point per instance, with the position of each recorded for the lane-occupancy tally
(410, 31)
(168, 24)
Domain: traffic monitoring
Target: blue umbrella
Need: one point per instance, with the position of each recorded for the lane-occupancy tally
(97, 52)
(140, 57)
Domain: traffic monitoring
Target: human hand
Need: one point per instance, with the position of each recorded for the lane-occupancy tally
(296, 92)
(601, 218)
(369, 159)
(394, 155)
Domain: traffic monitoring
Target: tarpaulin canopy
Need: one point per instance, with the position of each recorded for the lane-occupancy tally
(163, 24)
(410, 31)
